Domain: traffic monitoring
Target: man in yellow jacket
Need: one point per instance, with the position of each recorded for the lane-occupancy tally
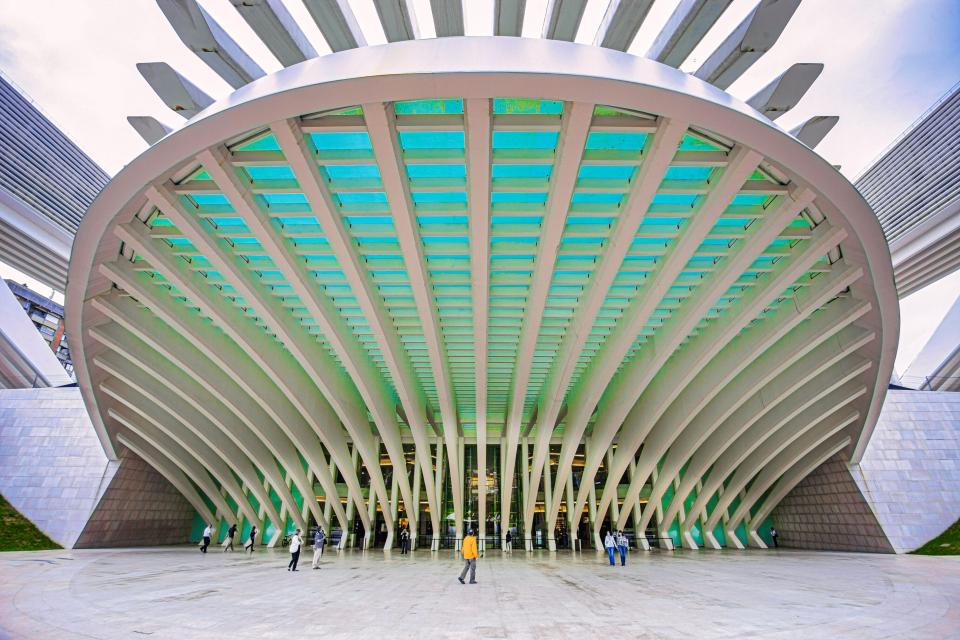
(470, 558)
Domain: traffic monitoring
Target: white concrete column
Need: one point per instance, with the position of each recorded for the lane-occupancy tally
(370, 535)
(635, 511)
(435, 543)
(547, 501)
(459, 468)
(414, 520)
(573, 518)
(349, 539)
(524, 466)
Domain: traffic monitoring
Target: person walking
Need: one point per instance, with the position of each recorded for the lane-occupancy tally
(228, 541)
(773, 536)
(206, 538)
(469, 552)
(319, 540)
(509, 541)
(610, 543)
(295, 542)
(623, 544)
(253, 536)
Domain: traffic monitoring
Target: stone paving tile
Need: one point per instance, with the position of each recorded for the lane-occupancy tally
(177, 593)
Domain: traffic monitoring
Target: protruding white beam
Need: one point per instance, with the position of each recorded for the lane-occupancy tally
(563, 19)
(784, 92)
(178, 93)
(685, 28)
(814, 130)
(206, 38)
(399, 19)
(337, 23)
(621, 22)
(754, 36)
(149, 128)
(271, 20)
(448, 17)
(508, 17)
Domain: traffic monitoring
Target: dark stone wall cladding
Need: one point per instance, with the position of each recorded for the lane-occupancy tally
(827, 511)
(139, 508)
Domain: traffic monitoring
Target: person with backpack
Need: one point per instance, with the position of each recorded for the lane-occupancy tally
(610, 543)
(623, 543)
(509, 541)
(253, 535)
(228, 541)
(295, 542)
(319, 540)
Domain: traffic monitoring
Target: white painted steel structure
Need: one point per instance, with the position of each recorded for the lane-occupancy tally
(359, 276)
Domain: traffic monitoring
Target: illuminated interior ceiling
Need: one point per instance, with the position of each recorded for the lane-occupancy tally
(481, 240)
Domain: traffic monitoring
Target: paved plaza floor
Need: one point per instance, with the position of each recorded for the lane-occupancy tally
(178, 593)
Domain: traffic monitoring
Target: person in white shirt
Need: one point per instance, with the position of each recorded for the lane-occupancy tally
(610, 543)
(295, 543)
(206, 538)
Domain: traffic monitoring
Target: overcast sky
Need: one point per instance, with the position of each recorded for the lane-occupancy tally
(887, 61)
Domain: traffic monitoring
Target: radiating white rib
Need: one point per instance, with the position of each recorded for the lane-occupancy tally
(220, 438)
(308, 354)
(149, 128)
(182, 96)
(168, 470)
(398, 18)
(381, 125)
(508, 17)
(368, 379)
(562, 19)
(816, 345)
(234, 381)
(654, 396)
(193, 467)
(684, 30)
(337, 23)
(799, 470)
(598, 375)
(820, 394)
(765, 462)
(448, 17)
(211, 449)
(272, 22)
(621, 22)
(786, 90)
(277, 364)
(478, 143)
(574, 129)
(658, 153)
(813, 130)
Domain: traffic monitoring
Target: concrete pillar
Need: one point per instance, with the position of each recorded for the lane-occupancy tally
(414, 524)
(349, 539)
(524, 465)
(547, 501)
(435, 543)
(573, 519)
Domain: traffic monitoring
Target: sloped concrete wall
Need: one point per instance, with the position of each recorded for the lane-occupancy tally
(910, 472)
(52, 465)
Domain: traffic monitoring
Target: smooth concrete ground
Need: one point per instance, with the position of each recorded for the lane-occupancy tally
(179, 593)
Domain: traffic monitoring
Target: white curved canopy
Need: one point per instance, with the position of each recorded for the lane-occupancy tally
(385, 255)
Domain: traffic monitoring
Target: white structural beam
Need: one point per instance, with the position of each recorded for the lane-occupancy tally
(272, 22)
(652, 397)
(168, 469)
(620, 23)
(758, 32)
(205, 418)
(562, 19)
(381, 126)
(823, 395)
(361, 369)
(772, 454)
(684, 30)
(657, 155)
(265, 418)
(318, 418)
(308, 355)
(508, 17)
(574, 130)
(813, 130)
(292, 142)
(178, 93)
(477, 123)
(786, 90)
(801, 469)
(594, 381)
(448, 17)
(752, 369)
(149, 128)
(212, 450)
(206, 38)
(399, 19)
(337, 23)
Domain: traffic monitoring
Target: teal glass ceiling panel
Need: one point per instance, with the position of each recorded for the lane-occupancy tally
(432, 139)
(352, 171)
(617, 141)
(269, 173)
(525, 139)
(417, 171)
(341, 140)
(527, 105)
(420, 107)
(535, 171)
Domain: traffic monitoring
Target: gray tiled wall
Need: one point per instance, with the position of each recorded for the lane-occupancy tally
(910, 473)
(52, 466)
